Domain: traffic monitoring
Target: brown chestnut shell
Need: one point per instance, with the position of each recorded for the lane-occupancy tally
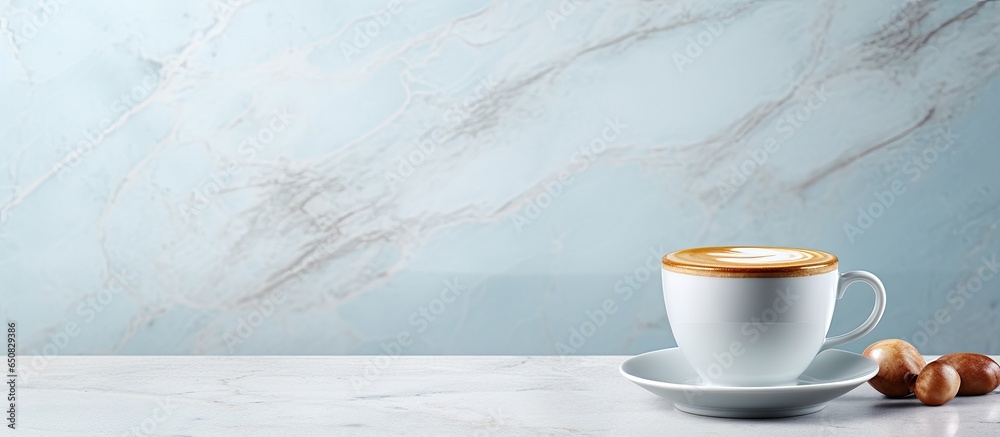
(980, 374)
(937, 384)
(898, 365)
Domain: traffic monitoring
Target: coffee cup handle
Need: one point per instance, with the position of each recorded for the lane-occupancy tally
(846, 279)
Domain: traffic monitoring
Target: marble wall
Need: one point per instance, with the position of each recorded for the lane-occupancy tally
(467, 177)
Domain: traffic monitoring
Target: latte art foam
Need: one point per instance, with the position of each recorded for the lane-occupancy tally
(758, 255)
(745, 261)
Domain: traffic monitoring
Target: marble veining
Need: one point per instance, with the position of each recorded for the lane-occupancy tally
(390, 177)
(471, 395)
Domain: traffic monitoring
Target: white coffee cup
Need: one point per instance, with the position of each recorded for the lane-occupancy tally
(757, 316)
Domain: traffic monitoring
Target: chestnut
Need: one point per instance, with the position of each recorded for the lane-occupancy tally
(898, 365)
(980, 374)
(937, 384)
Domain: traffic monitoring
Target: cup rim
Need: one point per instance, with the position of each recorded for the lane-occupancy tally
(781, 262)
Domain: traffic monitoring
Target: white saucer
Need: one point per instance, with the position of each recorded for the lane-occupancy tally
(667, 374)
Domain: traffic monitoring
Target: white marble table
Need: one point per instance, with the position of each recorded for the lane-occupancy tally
(263, 395)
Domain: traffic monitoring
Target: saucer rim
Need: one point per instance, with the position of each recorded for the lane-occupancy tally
(719, 388)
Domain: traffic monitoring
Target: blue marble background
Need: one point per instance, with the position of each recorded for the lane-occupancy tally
(470, 177)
